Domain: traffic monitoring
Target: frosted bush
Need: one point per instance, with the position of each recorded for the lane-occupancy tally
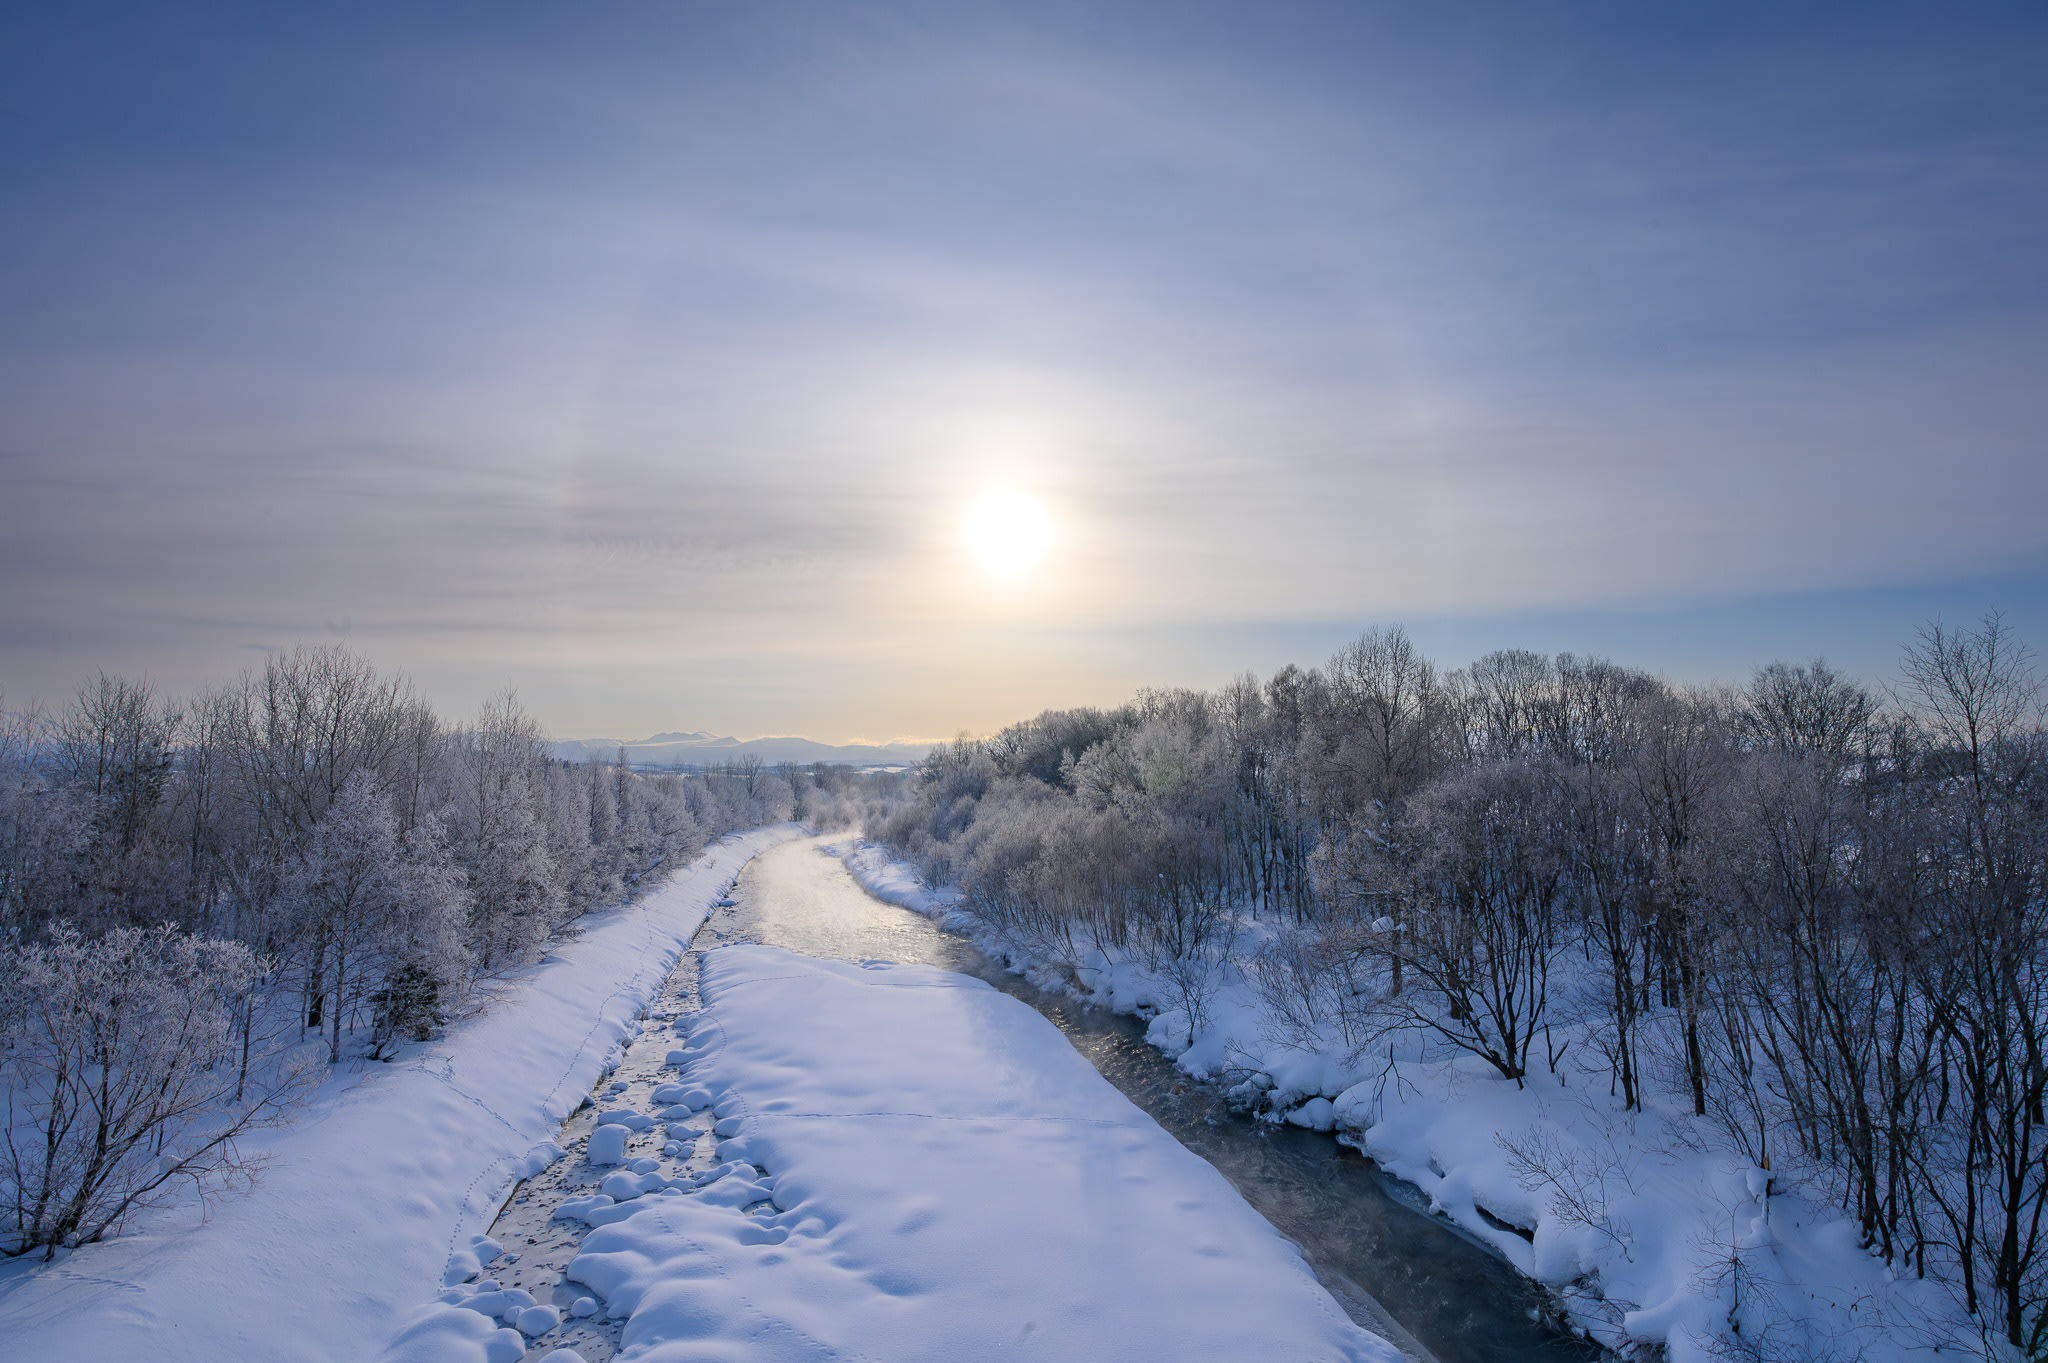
(120, 1078)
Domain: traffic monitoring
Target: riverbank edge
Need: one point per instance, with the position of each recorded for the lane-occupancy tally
(368, 1198)
(890, 878)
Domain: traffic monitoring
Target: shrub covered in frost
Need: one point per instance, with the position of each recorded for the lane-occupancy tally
(121, 1077)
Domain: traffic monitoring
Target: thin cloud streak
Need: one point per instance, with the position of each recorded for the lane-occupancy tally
(680, 343)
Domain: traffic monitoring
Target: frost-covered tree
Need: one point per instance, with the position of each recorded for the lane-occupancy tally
(495, 810)
(1482, 916)
(368, 904)
(1815, 919)
(352, 863)
(119, 1084)
(1977, 699)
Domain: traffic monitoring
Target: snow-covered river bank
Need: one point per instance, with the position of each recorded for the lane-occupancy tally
(385, 1172)
(398, 1171)
(1396, 1270)
(898, 1162)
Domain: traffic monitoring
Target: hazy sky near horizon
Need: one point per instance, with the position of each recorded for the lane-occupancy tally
(652, 358)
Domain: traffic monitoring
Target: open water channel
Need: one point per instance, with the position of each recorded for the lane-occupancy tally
(1438, 1294)
(1378, 1251)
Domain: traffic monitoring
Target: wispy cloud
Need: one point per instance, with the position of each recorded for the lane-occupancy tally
(674, 345)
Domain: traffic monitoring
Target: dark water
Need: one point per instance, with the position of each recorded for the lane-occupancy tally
(1380, 1254)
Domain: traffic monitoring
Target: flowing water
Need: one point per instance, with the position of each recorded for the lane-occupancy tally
(1409, 1275)
(1439, 1295)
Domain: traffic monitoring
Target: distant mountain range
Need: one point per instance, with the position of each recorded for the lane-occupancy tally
(703, 749)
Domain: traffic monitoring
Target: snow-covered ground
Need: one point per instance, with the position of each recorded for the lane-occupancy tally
(1647, 1226)
(916, 1166)
(384, 1180)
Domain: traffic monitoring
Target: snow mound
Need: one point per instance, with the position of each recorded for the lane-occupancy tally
(608, 1145)
(536, 1320)
(447, 1335)
(625, 1185)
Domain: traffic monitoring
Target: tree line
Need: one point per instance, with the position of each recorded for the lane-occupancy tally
(1813, 913)
(192, 890)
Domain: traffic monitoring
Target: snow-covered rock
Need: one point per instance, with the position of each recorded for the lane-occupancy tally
(535, 1321)
(625, 1185)
(607, 1145)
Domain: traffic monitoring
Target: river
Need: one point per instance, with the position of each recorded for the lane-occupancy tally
(1438, 1294)
(1367, 1236)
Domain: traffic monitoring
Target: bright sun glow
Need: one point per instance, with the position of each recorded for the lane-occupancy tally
(1009, 533)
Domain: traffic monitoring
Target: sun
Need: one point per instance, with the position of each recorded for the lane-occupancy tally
(1008, 533)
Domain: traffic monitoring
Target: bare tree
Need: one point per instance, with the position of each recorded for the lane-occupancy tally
(1976, 696)
(1483, 925)
(1680, 774)
(1811, 710)
(113, 747)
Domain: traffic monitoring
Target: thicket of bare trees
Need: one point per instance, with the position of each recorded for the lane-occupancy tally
(190, 890)
(1814, 914)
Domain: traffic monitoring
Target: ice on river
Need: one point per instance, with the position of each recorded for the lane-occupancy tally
(920, 1167)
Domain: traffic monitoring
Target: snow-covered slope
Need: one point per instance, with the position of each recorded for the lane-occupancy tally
(370, 1192)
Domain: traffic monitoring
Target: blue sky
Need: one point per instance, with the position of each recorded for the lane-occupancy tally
(651, 357)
